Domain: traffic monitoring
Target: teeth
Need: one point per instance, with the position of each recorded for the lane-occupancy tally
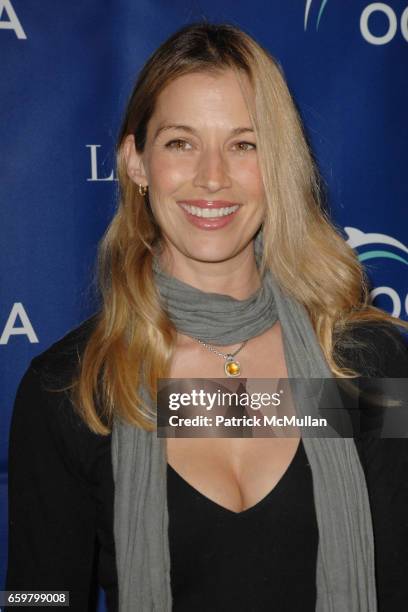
(209, 213)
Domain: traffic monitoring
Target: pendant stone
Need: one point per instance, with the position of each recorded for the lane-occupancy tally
(232, 367)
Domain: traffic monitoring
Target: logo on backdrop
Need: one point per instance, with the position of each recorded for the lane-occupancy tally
(11, 22)
(387, 14)
(96, 165)
(391, 248)
(319, 16)
(11, 327)
(391, 23)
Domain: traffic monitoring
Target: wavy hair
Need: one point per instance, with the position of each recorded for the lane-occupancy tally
(131, 344)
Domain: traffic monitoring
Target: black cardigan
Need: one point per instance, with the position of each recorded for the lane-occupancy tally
(61, 482)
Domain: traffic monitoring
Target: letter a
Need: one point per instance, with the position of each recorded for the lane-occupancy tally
(26, 329)
(13, 22)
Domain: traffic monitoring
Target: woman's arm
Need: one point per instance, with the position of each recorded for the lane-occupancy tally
(385, 463)
(52, 531)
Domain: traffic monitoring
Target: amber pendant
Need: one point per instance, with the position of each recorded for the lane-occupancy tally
(232, 367)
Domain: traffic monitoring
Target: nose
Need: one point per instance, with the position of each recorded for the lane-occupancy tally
(212, 170)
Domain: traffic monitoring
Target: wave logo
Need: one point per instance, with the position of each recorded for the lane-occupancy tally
(357, 239)
(381, 10)
(319, 16)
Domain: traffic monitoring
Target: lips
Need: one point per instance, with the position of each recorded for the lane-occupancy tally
(209, 203)
(206, 222)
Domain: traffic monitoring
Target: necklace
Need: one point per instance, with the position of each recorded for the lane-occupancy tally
(232, 367)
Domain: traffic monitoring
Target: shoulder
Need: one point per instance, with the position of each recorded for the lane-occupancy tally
(43, 392)
(43, 409)
(374, 349)
(57, 363)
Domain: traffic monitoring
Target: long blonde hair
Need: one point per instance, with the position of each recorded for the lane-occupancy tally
(132, 340)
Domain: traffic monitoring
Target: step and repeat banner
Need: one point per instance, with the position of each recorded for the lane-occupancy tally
(67, 69)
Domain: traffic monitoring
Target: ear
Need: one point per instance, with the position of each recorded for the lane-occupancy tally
(133, 160)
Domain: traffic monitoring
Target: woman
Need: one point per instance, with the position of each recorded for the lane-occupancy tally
(212, 252)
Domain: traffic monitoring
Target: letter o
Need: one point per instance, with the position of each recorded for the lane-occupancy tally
(392, 23)
(396, 302)
(404, 25)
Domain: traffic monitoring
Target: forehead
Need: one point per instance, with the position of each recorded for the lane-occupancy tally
(203, 97)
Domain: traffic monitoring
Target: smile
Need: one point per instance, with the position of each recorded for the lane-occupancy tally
(209, 213)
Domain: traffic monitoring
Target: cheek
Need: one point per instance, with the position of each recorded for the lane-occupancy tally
(167, 173)
(164, 179)
(248, 174)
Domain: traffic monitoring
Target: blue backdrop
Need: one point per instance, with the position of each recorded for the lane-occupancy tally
(67, 69)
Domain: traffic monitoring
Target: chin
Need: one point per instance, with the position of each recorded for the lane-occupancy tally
(210, 256)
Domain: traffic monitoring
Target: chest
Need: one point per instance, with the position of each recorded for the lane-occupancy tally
(234, 472)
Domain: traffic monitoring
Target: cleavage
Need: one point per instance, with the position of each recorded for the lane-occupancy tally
(234, 474)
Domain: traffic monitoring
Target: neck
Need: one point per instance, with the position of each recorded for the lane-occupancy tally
(237, 277)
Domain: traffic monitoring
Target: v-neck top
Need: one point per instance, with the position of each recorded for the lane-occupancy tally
(261, 559)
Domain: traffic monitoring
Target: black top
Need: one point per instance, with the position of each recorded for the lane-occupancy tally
(258, 560)
(61, 483)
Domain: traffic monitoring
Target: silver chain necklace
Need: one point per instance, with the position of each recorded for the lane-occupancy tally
(232, 367)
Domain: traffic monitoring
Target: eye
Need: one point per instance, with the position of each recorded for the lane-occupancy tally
(245, 146)
(178, 144)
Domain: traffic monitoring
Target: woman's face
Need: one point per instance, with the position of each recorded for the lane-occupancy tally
(200, 160)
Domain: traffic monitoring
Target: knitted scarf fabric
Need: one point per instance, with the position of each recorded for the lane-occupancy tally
(345, 564)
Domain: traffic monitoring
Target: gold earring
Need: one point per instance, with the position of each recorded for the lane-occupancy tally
(143, 190)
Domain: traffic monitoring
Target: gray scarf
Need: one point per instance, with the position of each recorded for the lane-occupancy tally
(345, 564)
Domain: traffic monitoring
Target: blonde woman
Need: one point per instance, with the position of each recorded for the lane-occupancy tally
(220, 246)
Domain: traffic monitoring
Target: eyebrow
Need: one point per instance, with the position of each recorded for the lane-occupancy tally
(163, 128)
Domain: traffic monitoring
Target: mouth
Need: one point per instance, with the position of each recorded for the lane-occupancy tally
(209, 215)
